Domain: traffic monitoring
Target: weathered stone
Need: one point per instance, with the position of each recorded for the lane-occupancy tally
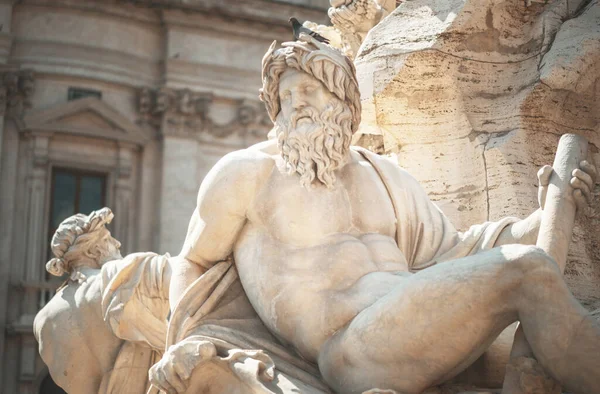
(492, 86)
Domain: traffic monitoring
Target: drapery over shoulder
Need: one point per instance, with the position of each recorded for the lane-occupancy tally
(135, 298)
(423, 233)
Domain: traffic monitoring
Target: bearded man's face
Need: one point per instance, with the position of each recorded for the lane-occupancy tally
(313, 128)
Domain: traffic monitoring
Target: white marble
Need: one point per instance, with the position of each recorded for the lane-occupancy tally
(312, 266)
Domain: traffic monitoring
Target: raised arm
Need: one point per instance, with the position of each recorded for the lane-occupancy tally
(526, 231)
(220, 214)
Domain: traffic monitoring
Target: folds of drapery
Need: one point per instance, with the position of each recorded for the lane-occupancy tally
(135, 301)
(423, 233)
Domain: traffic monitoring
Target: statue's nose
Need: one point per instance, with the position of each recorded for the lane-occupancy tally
(298, 100)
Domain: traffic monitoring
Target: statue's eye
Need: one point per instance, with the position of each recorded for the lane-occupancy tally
(310, 89)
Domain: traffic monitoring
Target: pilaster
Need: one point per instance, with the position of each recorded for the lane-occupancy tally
(123, 200)
(16, 88)
(36, 197)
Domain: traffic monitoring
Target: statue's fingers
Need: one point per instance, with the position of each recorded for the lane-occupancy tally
(590, 169)
(174, 380)
(579, 201)
(542, 192)
(544, 175)
(158, 380)
(585, 177)
(578, 184)
(183, 372)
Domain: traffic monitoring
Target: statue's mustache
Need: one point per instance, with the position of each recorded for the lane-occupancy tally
(304, 112)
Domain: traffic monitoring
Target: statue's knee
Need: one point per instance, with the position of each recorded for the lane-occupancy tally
(540, 261)
(527, 258)
(532, 262)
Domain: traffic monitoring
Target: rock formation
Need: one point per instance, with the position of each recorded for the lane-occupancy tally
(473, 97)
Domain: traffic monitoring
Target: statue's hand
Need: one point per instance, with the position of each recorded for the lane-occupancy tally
(544, 180)
(172, 373)
(583, 181)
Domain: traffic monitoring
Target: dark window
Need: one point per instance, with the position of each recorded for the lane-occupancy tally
(74, 192)
(78, 93)
(49, 387)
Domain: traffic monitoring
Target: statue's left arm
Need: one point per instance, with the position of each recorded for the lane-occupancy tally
(426, 236)
(526, 231)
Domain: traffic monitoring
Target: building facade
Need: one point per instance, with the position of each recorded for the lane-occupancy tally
(125, 104)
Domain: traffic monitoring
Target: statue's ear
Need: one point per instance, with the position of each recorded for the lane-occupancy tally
(96, 251)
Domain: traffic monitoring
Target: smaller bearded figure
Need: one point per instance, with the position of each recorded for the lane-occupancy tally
(105, 326)
(83, 241)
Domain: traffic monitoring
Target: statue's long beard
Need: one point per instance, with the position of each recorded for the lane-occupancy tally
(315, 154)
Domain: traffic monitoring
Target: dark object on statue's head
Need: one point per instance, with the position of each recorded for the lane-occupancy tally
(299, 29)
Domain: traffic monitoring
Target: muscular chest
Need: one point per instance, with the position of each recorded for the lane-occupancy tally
(359, 204)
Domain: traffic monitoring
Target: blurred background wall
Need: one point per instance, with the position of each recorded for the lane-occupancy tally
(125, 104)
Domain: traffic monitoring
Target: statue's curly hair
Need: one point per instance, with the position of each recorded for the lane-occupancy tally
(75, 235)
(323, 62)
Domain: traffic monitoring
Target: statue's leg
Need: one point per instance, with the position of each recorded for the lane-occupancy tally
(437, 322)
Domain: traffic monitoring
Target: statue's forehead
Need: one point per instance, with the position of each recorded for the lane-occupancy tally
(292, 77)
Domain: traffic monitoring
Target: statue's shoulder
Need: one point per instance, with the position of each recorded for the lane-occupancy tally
(75, 298)
(254, 160)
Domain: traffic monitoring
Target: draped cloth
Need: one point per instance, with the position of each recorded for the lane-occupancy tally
(135, 298)
(215, 307)
(423, 233)
(135, 305)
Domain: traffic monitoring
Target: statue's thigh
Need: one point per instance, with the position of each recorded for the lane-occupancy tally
(429, 328)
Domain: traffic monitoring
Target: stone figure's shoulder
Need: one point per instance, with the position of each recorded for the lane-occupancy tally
(257, 160)
(73, 299)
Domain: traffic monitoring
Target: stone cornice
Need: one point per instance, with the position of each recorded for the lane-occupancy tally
(110, 7)
(264, 11)
(223, 24)
(89, 62)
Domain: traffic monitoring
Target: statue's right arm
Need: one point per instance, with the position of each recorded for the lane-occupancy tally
(223, 200)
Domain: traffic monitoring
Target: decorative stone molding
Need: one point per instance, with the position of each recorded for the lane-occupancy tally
(16, 88)
(178, 112)
(251, 118)
(185, 113)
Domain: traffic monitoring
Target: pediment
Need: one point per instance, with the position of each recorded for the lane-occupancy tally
(89, 117)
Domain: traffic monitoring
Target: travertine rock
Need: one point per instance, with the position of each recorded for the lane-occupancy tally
(473, 96)
(352, 20)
